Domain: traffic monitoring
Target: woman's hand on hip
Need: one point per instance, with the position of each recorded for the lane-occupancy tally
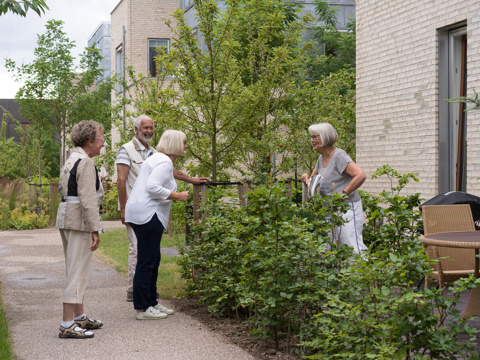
(95, 241)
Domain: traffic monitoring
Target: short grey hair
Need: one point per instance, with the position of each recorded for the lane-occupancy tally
(328, 134)
(171, 143)
(138, 120)
(85, 130)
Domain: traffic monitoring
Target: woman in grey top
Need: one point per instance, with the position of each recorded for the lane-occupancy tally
(339, 174)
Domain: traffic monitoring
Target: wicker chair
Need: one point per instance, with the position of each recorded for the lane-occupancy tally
(449, 218)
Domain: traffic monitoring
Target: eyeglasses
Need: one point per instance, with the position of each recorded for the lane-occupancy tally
(314, 137)
(101, 139)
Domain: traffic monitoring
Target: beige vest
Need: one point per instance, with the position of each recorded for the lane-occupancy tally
(75, 213)
(136, 157)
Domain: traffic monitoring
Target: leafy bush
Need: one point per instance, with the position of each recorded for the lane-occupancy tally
(110, 203)
(265, 259)
(392, 219)
(279, 267)
(375, 312)
(17, 211)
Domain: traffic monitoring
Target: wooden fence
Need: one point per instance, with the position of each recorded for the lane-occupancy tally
(200, 193)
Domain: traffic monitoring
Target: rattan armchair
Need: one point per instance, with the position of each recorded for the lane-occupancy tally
(449, 218)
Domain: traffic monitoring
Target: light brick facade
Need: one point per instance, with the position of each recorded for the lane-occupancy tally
(398, 88)
(142, 20)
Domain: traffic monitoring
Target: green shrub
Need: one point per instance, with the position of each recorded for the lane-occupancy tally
(374, 313)
(18, 211)
(110, 203)
(278, 266)
(265, 259)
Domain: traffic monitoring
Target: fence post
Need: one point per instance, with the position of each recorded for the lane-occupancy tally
(52, 203)
(242, 189)
(304, 193)
(196, 201)
(288, 185)
(199, 198)
(170, 222)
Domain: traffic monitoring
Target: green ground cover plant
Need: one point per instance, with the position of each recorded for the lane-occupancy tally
(113, 250)
(110, 204)
(5, 342)
(17, 209)
(278, 266)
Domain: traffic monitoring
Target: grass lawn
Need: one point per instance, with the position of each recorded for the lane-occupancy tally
(113, 250)
(5, 344)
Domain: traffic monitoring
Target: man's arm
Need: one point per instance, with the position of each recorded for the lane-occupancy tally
(178, 175)
(122, 173)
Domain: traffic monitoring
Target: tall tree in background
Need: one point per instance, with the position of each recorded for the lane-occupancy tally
(232, 86)
(53, 91)
(272, 56)
(211, 97)
(339, 48)
(330, 100)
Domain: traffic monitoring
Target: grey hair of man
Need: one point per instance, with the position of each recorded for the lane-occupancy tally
(138, 120)
(328, 134)
(85, 130)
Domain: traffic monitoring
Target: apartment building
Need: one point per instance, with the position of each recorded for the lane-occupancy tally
(101, 39)
(411, 56)
(138, 28)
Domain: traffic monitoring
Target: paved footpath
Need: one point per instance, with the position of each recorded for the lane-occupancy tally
(32, 271)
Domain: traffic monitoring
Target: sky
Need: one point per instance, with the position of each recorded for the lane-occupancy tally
(18, 35)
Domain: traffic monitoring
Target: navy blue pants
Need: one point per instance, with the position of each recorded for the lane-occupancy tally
(149, 236)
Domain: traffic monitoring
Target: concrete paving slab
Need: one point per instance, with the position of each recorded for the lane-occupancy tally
(32, 272)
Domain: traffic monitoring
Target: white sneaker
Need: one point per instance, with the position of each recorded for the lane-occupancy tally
(150, 314)
(163, 309)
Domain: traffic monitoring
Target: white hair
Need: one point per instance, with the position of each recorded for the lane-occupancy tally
(328, 134)
(171, 143)
(138, 120)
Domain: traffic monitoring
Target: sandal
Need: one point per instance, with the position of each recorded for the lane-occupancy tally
(74, 332)
(89, 323)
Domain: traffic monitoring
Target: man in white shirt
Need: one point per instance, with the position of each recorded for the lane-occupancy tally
(128, 161)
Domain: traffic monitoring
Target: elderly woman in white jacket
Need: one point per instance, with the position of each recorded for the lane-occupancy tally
(147, 212)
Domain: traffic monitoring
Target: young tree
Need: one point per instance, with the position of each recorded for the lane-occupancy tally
(211, 96)
(52, 94)
(17, 161)
(227, 92)
(14, 6)
(331, 100)
(272, 55)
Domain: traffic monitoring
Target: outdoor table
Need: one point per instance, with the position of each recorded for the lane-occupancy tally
(463, 240)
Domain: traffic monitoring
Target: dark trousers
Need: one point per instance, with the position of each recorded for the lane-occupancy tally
(149, 236)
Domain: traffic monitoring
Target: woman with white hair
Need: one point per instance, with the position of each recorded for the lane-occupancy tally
(147, 212)
(339, 174)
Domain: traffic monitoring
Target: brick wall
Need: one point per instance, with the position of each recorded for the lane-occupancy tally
(397, 88)
(143, 20)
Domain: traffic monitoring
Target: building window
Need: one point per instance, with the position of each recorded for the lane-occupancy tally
(185, 4)
(452, 80)
(153, 44)
(119, 59)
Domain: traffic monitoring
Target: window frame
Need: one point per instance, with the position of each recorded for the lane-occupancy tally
(452, 162)
(152, 52)
(119, 66)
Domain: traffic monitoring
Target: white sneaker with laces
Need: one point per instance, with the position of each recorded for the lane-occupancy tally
(163, 309)
(150, 314)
